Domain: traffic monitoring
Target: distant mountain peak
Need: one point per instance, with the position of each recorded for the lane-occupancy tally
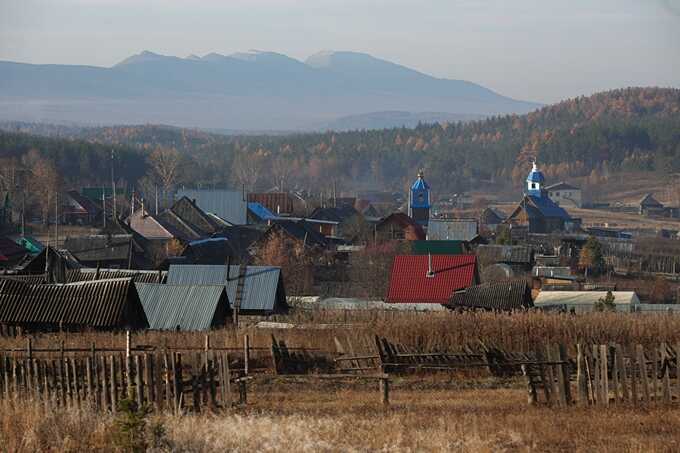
(193, 57)
(144, 56)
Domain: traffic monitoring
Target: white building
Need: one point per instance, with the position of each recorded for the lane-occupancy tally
(584, 301)
(565, 195)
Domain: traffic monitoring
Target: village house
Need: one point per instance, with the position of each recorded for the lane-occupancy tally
(398, 227)
(565, 195)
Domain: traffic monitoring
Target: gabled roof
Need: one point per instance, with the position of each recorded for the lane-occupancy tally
(410, 282)
(491, 216)
(339, 214)
(137, 276)
(300, 231)
(510, 254)
(536, 207)
(100, 247)
(501, 296)
(227, 204)
(103, 304)
(189, 307)
(184, 229)
(241, 237)
(562, 186)
(649, 201)
(403, 221)
(199, 220)
(88, 205)
(452, 229)
(263, 285)
(208, 251)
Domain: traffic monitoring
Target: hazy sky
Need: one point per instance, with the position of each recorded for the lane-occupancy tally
(541, 50)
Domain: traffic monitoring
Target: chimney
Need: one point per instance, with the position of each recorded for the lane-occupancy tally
(430, 271)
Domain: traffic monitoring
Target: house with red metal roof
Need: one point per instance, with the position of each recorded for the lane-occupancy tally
(430, 279)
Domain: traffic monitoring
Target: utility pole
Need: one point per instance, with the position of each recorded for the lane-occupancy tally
(56, 219)
(104, 205)
(113, 186)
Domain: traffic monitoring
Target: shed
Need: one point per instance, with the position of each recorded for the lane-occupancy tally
(184, 307)
(100, 305)
(517, 256)
(430, 279)
(107, 250)
(453, 229)
(497, 296)
(263, 289)
(584, 301)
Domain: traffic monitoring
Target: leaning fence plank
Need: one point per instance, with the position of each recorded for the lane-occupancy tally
(625, 388)
(114, 384)
(581, 383)
(666, 376)
(642, 363)
(90, 397)
(677, 371)
(227, 378)
(566, 372)
(554, 389)
(615, 374)
(634, 377)
(559, 374)
(542, 372)
(105, 395)
(167, 378)
(139, 395)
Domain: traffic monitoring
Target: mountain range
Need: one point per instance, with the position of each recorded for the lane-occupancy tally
(244, 91)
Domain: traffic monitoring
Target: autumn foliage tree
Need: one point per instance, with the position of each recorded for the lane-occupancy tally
(295, 261)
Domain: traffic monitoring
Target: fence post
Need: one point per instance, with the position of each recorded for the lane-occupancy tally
(385, 391)
(246, 354)
(625, 388)
(615, 374)
(128, 364)
(604, 378)
(566, 373)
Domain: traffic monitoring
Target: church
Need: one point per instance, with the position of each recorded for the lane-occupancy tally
(537, 211)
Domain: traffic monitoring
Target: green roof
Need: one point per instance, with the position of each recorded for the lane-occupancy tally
(438, 247)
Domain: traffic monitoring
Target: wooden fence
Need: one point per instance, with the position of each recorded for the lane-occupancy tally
(605, 374)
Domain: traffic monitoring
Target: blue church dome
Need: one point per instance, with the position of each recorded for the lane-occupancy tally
(420, 183)
(535, 175)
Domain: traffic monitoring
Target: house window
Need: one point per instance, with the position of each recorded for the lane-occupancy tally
(557, 194)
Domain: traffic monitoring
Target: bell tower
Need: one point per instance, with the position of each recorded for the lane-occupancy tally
(419, 201)
(535, 182)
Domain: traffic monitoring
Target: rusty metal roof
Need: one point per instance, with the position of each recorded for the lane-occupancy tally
(103, 304)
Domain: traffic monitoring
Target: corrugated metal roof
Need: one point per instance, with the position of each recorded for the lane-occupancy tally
(501, 296)
(342, 303)
(103, 304)
(410, 282)
(138, 276)
(227, 204)
(453, 229)
(260, 211)
(189, 307)
(547, 207)
(260, 291)
(514, 254)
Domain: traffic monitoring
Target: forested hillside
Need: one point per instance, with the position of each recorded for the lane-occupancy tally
(635, 129)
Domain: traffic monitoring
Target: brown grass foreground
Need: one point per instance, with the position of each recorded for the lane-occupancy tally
(435, 418)
(441, 330)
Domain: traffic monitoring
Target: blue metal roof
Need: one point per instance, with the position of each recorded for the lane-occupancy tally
(191, 307)
(548, 208)
(420, 184)
(260, 211)
(260, 291)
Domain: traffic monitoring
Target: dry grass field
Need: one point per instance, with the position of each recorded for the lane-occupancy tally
(434, 418)
(434, 330)
(467, 411)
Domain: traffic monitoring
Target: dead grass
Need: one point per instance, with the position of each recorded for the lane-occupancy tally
(427, 331)
(322, 419)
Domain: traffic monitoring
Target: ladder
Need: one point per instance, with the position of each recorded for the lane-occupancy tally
(240, 285)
